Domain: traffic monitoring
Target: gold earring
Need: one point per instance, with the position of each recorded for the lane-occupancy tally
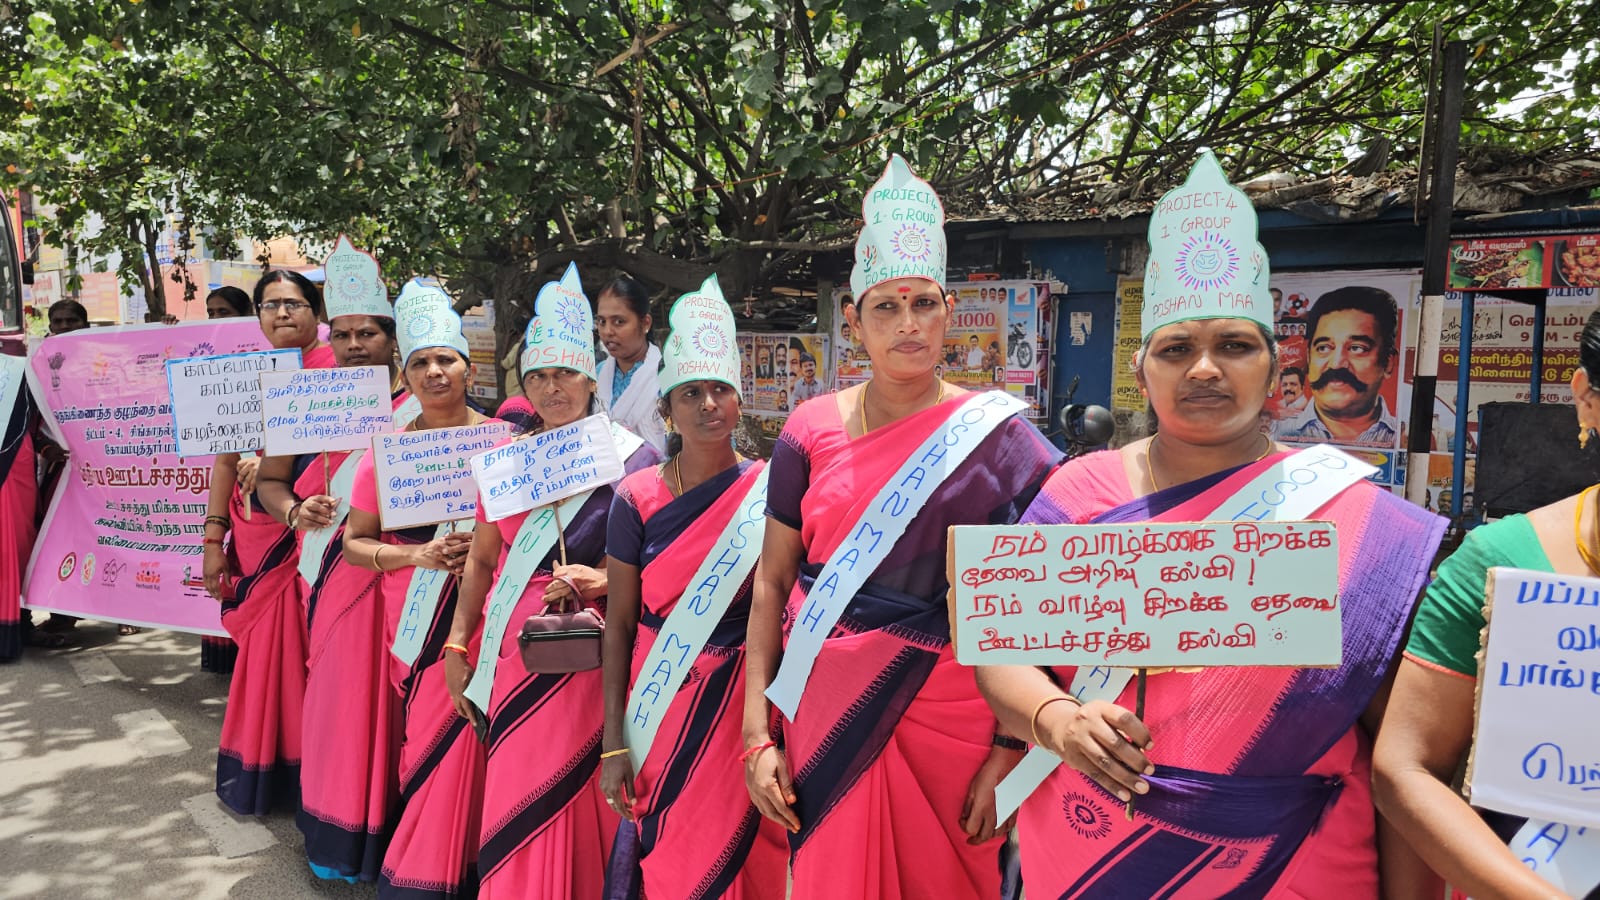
(1584, 434)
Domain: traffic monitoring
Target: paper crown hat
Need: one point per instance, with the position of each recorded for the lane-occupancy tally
(903, 234)
(354, 286)
(1205, 260)
(561, 332)
(424, 317)
(701, 345)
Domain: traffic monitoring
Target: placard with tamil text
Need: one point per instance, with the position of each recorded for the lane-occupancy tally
(1146, 594)
(216, 400)
(423, 476)
(543, 468)
(1536, 746)
(321, 410)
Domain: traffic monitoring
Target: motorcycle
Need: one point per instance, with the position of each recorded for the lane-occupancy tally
(1019, 347)
(1084, 425)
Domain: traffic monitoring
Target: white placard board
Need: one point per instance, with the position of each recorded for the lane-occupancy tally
(322, 410)
(423, 476)
(1150, 594)
(216, 400)
(546, 467)
(1536, 740)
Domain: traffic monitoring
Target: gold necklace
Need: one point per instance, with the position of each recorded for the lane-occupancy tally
(862, 404)
(1150, 452)
(1588, 554)
(677, 474)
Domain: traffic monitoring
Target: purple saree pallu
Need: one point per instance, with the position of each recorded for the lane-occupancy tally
(1262, 773)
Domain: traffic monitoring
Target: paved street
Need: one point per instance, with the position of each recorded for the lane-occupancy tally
(107, 756)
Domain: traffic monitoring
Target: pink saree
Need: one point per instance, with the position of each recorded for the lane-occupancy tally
(258, 757)
(891, 731)
(696, 834)
(1262, 784)
(433, 849)
(19, 494)
(351, 729)
(546, 827)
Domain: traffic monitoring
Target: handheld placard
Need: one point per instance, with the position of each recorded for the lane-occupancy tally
(216, 400)
(424, 477)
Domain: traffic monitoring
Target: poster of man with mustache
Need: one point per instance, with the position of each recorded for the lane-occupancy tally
(1339, 365)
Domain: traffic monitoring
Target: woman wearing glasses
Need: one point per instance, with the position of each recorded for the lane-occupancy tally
(256, 578)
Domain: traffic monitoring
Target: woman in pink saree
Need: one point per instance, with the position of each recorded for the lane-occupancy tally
(350, 726)
(691, 831)
(258, 760)
(432, 848)
(546, 828)
(1247, 781)
(892, 752)
(19, 493)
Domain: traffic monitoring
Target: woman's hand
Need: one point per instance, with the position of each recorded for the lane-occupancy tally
(316, 511)
(616, 782)
(245, 471)
(766, 777)
(457, 675)
(978, 812)
(573, 584)
(1101, 740)
(447, 554)
(215, 571)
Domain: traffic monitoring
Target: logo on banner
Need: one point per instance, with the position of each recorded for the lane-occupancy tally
(69, 564)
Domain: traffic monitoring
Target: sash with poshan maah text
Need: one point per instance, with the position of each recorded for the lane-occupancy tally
(690, 624)
(1289, 490)
(537, 535)
(871, 539)
(314, 543)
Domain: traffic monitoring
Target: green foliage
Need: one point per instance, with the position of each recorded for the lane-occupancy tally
(467, 137)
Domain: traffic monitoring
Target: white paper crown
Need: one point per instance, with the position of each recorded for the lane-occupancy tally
(354, 285)
(904, 232)
(701, 345)
(424, 317)
(561, 332)
(1205, 260)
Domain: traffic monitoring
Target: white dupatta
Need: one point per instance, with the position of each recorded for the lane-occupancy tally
(636, 409)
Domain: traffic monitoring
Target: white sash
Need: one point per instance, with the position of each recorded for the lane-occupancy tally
(687, 628)
(637, 407)
(13, 372)
(534, 540)
(1567, 856)
(422, 599)
(880, 528)
(1293, 488)
(316, 540)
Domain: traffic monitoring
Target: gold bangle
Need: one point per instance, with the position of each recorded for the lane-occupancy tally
(1033, 720)
(457, 648)
(377, 553)
(617, 752)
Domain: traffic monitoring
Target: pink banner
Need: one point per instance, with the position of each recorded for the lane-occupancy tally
(121, 542)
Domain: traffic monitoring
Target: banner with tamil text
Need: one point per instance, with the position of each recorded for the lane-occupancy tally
(121, 541)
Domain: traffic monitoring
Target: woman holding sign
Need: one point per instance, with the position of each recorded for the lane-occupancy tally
(1429, 724)
(546, 828)
(1244, 780)
(218, 654)
(350, 724)
(434, 844)
(681, 546)
(888, 760)
(258, 760)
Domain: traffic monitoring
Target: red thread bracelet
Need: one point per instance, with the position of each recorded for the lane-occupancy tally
(209, 540)
(745, 756)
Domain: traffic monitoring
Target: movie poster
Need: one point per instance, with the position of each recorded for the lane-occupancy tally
(781, 371)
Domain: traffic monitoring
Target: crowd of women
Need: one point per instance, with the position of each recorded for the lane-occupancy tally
(798, 726)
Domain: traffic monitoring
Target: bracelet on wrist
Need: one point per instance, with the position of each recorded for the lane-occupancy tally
(375, 562)
(290, 518)
(1033, 720)
(620, 751)
(212, 542)
(457, 648)
(745, 756)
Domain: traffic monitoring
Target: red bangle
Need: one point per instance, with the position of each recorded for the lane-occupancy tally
(745, 756)
(211, 540)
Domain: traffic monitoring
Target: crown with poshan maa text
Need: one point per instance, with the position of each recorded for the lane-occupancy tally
(561, 332)
(1205, 259)
(424, 317)
(701, 345)
(902, 235)
(353, 284)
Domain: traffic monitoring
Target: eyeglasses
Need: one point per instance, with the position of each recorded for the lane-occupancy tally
(289, 306)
